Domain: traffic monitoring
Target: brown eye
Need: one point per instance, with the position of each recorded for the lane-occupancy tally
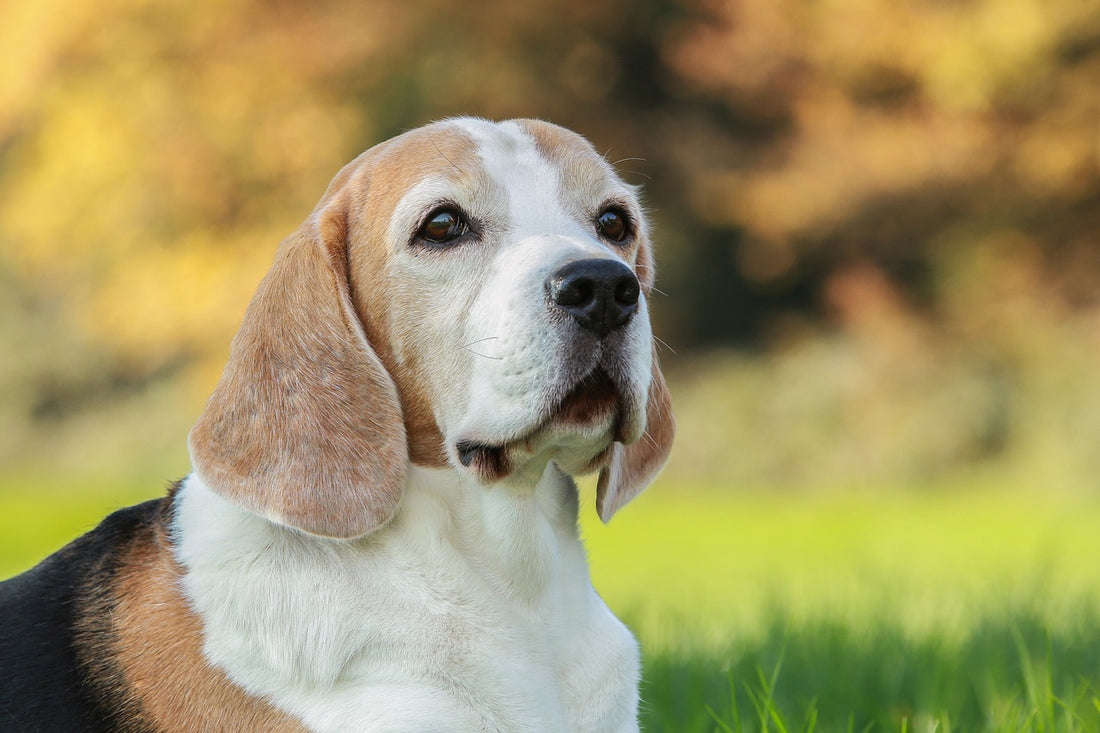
(613, 224)
(443, 226)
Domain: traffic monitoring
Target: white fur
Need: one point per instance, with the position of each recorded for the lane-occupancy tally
(471, 610)
(509, 318)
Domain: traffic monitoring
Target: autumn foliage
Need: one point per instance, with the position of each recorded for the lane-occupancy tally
(909, 186)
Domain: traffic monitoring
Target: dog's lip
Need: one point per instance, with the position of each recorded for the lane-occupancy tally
(484, 459)
(589, 400)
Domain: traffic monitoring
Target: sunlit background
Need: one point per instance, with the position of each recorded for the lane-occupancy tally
(878, 231)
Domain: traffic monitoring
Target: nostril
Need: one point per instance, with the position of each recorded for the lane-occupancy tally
(627, 292)
(572, 292)
(600, 294)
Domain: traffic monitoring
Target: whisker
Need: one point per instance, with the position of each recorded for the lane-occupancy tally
(466, 347)
(487, 338)
(483, 356)
(664, 343)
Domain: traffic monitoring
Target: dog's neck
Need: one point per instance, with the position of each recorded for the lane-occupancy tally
(515, 533)
(450, 539)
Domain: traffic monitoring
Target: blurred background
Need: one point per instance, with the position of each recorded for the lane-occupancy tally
(878, 221)
(878, 231)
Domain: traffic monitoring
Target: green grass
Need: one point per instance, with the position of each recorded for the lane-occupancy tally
(39, 517)
(914, 612)
(908, 612)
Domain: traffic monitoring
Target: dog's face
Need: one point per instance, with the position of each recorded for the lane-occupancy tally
(475, 243)
(481, 302)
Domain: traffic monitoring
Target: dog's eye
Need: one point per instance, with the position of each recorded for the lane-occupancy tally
(614, 224)
(443, 226)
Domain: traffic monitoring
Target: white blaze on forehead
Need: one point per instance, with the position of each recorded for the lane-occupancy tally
(533, 184)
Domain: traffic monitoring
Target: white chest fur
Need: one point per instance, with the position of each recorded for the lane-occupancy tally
(471, 610)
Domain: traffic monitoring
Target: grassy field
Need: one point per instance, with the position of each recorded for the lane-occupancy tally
(911, 612)
(890, 612)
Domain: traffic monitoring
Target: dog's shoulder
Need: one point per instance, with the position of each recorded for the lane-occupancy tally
(44, 626)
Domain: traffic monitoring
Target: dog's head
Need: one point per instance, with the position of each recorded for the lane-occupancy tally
(467, 294)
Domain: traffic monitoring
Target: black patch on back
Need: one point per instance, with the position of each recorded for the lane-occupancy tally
(46, 683)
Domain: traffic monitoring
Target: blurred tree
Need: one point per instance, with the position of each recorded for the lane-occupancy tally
(153, 153)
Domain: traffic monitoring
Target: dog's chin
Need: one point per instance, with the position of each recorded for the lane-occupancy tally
(576, 432)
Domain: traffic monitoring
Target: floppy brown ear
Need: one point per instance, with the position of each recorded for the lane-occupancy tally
(632, 467)
(305, 427)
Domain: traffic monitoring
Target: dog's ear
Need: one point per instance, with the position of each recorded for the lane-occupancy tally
(632, 467)
(305, 427)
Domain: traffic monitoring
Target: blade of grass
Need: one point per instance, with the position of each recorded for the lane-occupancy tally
(718, 720)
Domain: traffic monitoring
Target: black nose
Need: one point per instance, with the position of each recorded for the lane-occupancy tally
(600, 294)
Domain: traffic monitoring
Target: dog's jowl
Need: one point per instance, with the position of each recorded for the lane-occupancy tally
(380, 528)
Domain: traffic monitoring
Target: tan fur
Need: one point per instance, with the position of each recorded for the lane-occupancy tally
(305, 427)
(388, 315)
(158, 644)
(582, 172)
(284, 433)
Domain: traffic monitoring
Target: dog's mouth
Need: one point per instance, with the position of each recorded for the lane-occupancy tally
(595, 398)
(593, 407)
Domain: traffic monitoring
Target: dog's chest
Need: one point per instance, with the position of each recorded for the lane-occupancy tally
(412, 629)
(481, 667)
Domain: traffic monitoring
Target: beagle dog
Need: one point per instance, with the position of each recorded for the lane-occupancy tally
(380, 529)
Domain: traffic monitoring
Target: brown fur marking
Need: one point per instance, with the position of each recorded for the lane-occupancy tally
(141, 647)
(159, 647)
(305, 426)
(387, 313)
